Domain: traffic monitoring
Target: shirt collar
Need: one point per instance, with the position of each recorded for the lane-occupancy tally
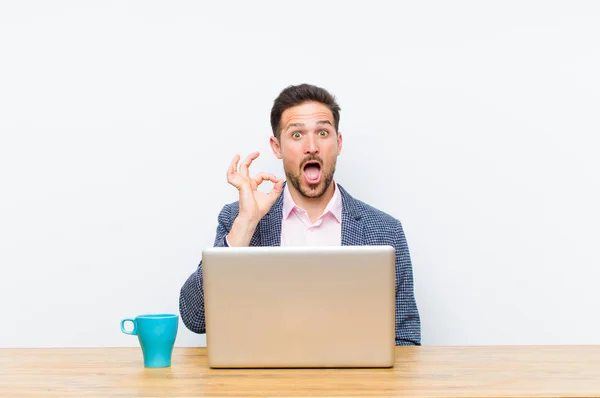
(334, 206)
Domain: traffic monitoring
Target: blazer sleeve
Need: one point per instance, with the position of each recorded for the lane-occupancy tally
(408, 323)
(191, 296)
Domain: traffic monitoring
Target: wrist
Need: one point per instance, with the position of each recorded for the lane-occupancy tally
(241, 232)
(247, 221)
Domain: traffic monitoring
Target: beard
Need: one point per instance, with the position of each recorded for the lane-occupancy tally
(314, 190)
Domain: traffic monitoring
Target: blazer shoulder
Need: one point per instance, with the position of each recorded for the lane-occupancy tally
(375, 216)
(229, 212)
(233, 207)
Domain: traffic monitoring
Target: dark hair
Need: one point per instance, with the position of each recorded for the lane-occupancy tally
(296, 95)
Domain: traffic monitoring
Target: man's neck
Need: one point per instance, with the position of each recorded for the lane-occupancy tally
(313, 206)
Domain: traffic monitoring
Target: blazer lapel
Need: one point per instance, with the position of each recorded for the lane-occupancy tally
(270, 225)
(352, 228)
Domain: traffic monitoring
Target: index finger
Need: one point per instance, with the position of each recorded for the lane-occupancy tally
(260, 177)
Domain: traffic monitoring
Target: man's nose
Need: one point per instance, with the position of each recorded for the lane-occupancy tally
(312, 146)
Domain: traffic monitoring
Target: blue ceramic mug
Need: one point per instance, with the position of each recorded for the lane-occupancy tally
(156, 334)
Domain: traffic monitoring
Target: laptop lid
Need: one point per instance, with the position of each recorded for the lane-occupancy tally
(300, 306)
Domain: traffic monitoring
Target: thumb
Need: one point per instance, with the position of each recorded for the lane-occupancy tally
(276, 190)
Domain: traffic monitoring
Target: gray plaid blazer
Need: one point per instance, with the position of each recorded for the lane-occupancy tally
(361, 225)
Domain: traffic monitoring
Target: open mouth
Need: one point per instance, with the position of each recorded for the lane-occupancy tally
(312, 172)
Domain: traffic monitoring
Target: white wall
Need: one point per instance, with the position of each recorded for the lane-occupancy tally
(474, 123)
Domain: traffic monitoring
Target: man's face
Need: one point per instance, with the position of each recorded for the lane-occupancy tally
(309, 147)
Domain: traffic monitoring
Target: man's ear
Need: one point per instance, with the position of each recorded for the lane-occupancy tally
(339, 142)
(275, 147)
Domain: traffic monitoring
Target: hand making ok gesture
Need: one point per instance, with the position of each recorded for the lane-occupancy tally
(254, 204)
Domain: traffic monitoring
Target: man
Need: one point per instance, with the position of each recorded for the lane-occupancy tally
(313, 209)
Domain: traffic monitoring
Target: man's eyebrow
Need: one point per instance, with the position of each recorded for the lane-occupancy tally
(294, 125)
(320, 122)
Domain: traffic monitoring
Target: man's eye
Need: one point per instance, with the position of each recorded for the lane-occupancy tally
(323, 133)
(296, 134)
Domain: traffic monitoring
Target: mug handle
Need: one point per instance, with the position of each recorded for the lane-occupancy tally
(134, 331)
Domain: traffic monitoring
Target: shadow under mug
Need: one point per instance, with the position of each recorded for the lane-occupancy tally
(156, 334)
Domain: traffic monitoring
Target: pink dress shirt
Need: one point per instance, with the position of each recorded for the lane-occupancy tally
(298, 230)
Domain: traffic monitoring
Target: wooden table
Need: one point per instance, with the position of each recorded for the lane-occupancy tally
(498, 371)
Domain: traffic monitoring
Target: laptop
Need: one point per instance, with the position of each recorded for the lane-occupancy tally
(299, 307)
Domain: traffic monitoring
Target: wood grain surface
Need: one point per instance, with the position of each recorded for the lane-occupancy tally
(496, 371)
